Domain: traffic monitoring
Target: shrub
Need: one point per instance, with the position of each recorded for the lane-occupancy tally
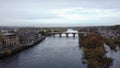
(8, 52)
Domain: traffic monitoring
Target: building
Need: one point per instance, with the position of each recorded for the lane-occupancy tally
(1, 43)
(10, 39)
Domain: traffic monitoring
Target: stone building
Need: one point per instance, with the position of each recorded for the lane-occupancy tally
(1, 43)
(10, 39)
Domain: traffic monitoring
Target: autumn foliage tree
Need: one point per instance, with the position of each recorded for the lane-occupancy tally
(93, 47)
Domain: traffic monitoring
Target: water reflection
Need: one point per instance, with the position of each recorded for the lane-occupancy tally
(114, 55)
(6, 62)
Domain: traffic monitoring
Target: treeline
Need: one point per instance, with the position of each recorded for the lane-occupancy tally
(116, 27)
(94, 51)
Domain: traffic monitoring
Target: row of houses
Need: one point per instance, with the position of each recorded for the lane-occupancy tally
(110, 34)
(27, 35)
(13, 38)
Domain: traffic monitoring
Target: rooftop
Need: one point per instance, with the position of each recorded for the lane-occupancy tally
(9, 34)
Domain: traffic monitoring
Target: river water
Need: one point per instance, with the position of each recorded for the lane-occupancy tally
(53, 52)
(114, 55)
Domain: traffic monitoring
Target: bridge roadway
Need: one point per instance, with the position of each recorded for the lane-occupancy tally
(67, 33)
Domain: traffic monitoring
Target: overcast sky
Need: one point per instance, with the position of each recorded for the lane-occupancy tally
(59, 12)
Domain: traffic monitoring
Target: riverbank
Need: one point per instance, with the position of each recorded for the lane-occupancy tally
(20, 48)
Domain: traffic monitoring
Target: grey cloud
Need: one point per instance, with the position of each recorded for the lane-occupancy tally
(11, 10)
(44, 14)
(59, 3)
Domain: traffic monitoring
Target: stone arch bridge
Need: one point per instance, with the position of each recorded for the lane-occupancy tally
(66, 33)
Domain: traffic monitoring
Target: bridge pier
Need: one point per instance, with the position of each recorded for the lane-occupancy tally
(53, 35)
(74, 34)
(60, 34)
(67, 34)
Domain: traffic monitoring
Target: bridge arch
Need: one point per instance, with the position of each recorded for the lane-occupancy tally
(67, 34)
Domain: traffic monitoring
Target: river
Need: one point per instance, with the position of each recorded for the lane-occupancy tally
(53, 52)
